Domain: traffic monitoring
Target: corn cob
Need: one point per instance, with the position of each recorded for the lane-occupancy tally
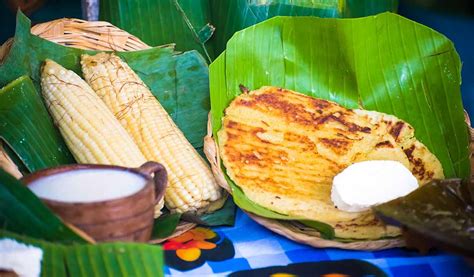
(192, 187)
(90, 130)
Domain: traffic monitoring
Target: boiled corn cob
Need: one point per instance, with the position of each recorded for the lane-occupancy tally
(192, 187)
(90, 130)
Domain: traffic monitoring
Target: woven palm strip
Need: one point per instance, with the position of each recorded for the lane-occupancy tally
(88, 35)
(293, 230)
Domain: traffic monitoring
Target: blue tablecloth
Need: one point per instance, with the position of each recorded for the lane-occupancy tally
(256, 247)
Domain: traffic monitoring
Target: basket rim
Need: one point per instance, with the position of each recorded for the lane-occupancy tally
(290, 231)
(82, 34)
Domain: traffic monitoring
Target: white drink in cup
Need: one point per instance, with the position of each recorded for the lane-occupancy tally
(108, 203)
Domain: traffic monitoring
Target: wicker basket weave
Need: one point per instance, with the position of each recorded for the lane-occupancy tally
(89, 35)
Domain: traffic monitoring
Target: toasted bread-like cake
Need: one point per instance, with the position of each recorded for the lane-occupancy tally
(283, 149)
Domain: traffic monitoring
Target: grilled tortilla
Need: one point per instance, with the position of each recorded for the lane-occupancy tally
(283, 149)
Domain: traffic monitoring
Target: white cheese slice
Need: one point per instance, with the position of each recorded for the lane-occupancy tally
(365, 184)
(20, 258)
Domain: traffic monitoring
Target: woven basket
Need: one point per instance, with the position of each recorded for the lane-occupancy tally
(293, 230)
(89, 35)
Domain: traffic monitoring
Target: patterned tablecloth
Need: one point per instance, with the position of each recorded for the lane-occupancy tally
(248, 246)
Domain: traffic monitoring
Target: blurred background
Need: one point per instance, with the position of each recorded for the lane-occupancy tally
(454, 18)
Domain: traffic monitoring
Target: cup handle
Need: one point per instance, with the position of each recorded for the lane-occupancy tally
(160, 179)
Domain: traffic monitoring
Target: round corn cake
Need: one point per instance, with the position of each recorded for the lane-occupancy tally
(283, 149)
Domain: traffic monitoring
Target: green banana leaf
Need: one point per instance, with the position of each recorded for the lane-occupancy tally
(230, 16)
(207, 25)
(115, 259)
(441, 212)
(108, 259)
(22, 212)
(385, 63)
(185, 23)
(27, 128)
(165, 225)
(220, 217)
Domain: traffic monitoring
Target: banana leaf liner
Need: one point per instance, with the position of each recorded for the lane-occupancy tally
(81, 34)
(416, 78)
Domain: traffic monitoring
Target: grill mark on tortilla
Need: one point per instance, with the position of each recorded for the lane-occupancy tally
(352, 127)
(396, 130)
(339, 146)
(418, 166)
(384, 144)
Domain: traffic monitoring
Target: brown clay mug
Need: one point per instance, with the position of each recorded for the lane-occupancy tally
(129, 218)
